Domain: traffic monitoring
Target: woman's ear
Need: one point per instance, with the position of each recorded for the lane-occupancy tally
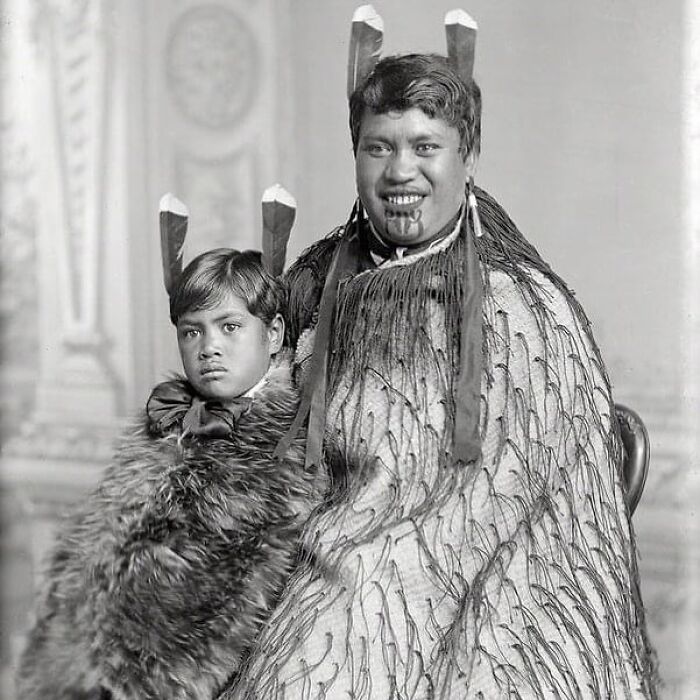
(275, 334)
(470, 162)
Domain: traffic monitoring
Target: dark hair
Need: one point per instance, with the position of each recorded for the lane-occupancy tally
(212, 275)
(426, 81)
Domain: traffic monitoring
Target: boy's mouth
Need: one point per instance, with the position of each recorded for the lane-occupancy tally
(212, 370)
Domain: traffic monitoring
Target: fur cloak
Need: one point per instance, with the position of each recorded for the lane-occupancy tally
(160, 580)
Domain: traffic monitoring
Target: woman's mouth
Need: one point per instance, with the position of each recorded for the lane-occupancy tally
(402, 203)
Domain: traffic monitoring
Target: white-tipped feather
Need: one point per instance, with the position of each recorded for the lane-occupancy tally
(368, 15)
(173, 229)
(277, 193)
(169, 202)
(459, 16)
(366, 35)
(278, 213)
(460, 32)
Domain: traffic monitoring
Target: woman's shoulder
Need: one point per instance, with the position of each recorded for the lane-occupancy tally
(305, 279)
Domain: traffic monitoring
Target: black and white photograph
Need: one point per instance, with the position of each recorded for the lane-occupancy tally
(349, 350)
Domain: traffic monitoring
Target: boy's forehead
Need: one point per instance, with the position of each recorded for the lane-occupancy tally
(229, 304)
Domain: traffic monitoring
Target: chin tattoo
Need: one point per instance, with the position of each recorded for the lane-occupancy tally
(400, 225)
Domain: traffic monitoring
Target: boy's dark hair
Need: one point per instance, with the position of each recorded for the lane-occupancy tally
(212, 275)
(425, 81)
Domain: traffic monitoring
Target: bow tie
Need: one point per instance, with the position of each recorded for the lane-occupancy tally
(174, 404)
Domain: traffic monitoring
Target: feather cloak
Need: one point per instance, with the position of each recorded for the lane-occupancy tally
(160, 580)
(512, 578)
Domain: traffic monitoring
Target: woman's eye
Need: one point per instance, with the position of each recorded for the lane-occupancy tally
(230, 327)
(376, 149)
(426, 148)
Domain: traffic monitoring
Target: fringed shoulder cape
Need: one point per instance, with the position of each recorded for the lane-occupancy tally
(160, 580)
(514, 577)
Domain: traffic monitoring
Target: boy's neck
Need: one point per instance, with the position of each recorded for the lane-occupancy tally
(254, 389)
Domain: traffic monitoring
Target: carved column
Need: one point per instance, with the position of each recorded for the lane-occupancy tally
(61, 110)
(125, 100)
(18, 316)
(79, 394)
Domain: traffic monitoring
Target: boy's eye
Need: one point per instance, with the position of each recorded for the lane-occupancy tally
(230, 327)
(189, 332)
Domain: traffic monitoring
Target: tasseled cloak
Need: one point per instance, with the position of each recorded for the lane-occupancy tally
(514, 577)
(160, 580)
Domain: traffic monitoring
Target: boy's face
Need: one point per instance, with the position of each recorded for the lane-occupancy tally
(226, 350)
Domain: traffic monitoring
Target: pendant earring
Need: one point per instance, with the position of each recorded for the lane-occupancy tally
(474, 210)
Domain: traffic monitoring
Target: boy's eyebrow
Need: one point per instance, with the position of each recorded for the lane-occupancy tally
(235, 315)
(184, 319)
(188, 320)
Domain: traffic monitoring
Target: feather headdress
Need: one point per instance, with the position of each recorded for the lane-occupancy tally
(278, 213)
(366, 37)
(367, 34)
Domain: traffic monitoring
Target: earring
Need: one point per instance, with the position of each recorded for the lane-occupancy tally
(474, 210)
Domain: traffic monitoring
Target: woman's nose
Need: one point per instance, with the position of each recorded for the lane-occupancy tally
(401, 166)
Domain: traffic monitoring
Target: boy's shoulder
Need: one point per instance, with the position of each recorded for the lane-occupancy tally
(274, 403)
(279, 376)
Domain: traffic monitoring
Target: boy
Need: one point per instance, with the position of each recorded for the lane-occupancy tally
(160, 581)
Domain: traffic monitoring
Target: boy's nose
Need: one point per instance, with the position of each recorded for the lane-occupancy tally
(210, 348)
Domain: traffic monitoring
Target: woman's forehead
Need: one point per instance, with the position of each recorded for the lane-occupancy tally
(412, 122)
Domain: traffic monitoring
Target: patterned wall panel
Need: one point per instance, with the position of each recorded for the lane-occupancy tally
(213, 66)
(18, 278)
(223, 201)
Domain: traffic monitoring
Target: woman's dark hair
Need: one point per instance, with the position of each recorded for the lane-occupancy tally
(425, 81)
(211, 276)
